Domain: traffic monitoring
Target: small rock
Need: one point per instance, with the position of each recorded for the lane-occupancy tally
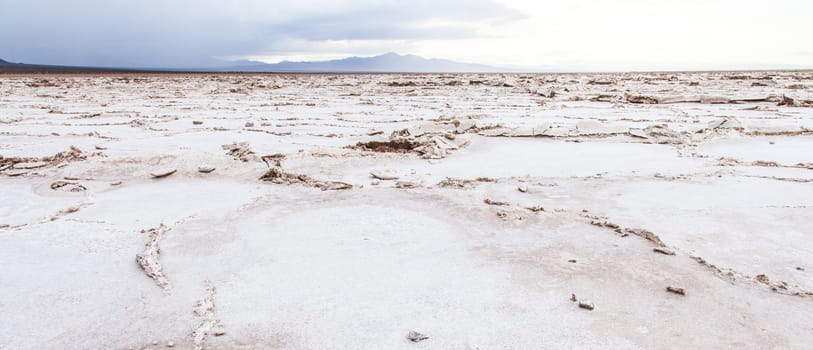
(170, 344)
(249, 124)
(206, 169)
(197, 122)
(375, 132)
(219, 331)
(115, 183)
(586, 305)
(522, 188)
(799, 268)
(100, 147)
(375, 183)
(415, 337)
(384, 175)
(59, 184)
(573, 297)
(572, 261)
(69, 210)
(162, 173)
(493, 202)
(407, 184)
(663, 250)
(676, 290)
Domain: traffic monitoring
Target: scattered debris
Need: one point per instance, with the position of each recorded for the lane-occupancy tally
(278, 176)
(493, 202)
(415, 337)
(792, 102)
(161, 173)
(219, 331)
(205, 309)
(430, 142)
(66, 211)
(658, 134)
(240, 151)
(649, 236)
(69, 185)
(458, 183)
(763, 163)
(273, 160)
(603, 223)
(781, 287)
(641, 99)
(586, 305)
(393, 146)
(384, 174)
(624, 232)
(150, 259)
(676, 290)
(206, 169)
(663, 250)
(407, 184)
(16, 166)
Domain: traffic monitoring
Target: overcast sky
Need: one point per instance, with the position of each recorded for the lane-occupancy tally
(554, 34)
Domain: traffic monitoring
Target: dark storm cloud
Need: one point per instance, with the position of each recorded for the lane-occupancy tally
(191, 33)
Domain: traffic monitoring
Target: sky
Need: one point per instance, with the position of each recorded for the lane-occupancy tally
(548, 35)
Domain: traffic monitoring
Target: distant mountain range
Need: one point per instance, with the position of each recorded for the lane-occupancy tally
(387, 63)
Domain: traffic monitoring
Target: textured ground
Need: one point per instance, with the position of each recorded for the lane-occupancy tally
(499, 198)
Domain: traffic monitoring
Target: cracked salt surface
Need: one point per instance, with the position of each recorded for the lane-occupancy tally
(286, 265)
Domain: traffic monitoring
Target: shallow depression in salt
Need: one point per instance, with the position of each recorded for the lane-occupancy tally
(518, 157)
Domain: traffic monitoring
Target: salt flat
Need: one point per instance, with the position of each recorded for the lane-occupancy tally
(499, 204)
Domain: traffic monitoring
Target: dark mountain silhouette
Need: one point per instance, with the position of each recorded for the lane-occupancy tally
(387, 63)
(24, 68)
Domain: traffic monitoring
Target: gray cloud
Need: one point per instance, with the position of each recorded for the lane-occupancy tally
(191, 33)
